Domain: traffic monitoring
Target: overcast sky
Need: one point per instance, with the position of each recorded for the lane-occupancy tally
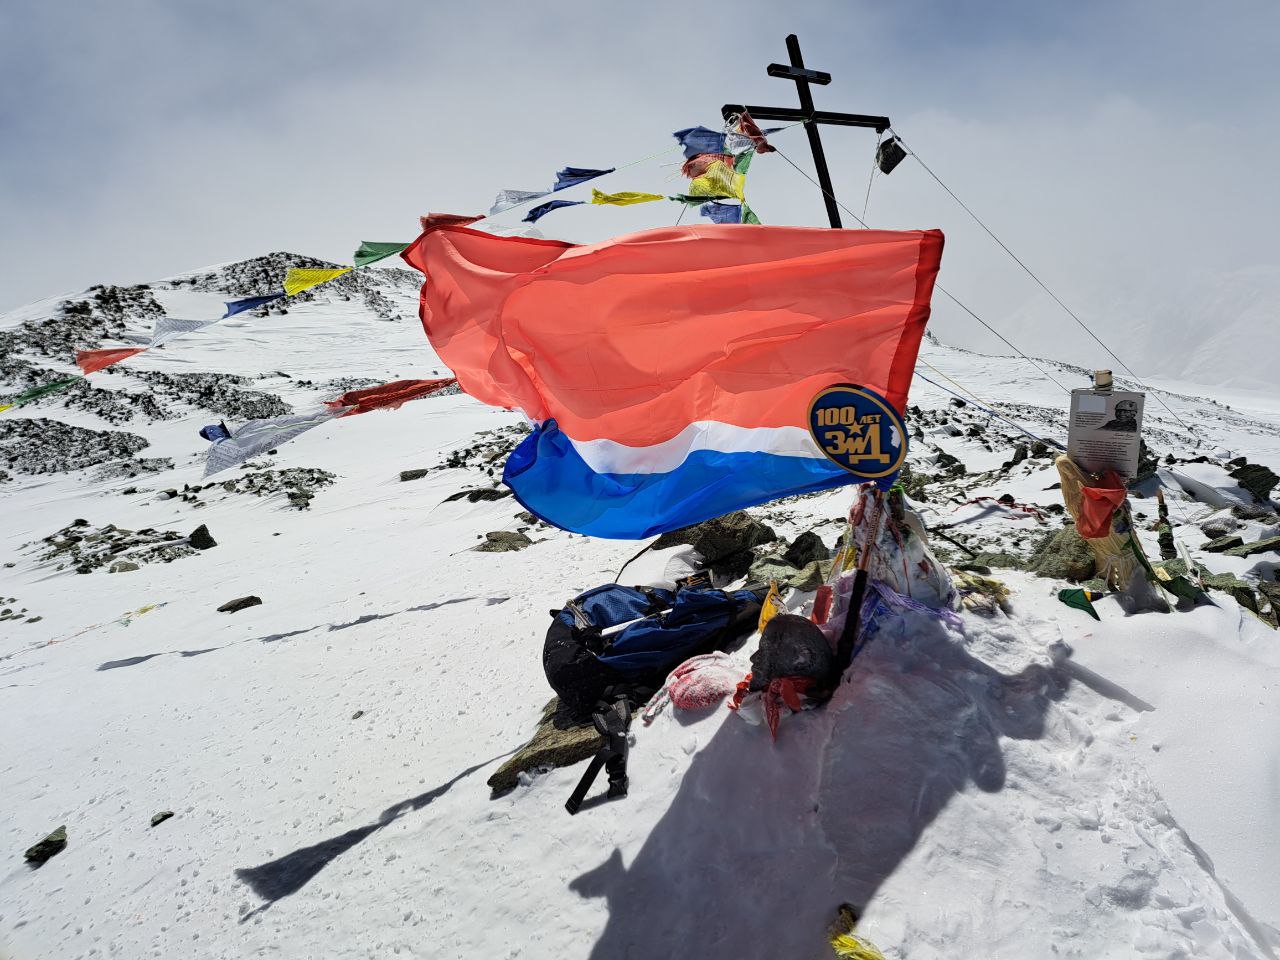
(1128, 151)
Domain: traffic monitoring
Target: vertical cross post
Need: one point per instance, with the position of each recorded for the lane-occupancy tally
(802, 78)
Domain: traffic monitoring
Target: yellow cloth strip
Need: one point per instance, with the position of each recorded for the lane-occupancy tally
(5, 407)
(624, 199)
(298, 279)
(718, 181)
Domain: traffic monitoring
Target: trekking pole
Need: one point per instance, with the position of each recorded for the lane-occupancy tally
(853, 613)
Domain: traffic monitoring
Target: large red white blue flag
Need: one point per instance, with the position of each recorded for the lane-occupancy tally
(677, 374)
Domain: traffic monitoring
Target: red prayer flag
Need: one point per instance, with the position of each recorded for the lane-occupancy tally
(91, 361)
(386, 396)
(1097, 504)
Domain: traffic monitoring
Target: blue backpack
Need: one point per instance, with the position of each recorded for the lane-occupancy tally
(584, 654)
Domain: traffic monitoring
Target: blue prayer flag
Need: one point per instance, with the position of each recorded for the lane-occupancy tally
(722, 212)
(572, 176)
(249, 303)
(696, 140)
(542, 209)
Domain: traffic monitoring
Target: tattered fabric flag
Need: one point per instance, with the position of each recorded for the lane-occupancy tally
(541, 210)
(749, 215)
(371, 251)
(506, 199)
(36, 393)
(258, 436)
(167, 328)
(250, 303)
(91, 361)
(699, 164)
(653, 438)
(719, 181)
(722, 212)
(747, 127)
(572, 176)
(432, 220)
(1081, 600)
(690, 201)
(386, 396)
(624, 199)
(215, 432)
(5, 406)
(742, 162)
(300, 278)
(696, 140)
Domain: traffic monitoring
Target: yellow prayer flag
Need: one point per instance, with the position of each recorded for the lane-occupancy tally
(298, 279)
(624, 199)
(718, 181)
(772, 605)
(5, 407)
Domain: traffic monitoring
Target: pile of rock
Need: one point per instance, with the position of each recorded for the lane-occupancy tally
(83, 548)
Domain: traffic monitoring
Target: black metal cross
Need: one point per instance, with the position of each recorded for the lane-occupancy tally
(803, 77)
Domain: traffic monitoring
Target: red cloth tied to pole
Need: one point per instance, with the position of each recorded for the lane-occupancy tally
(386, 396)
(91, 361)
(1097, 505)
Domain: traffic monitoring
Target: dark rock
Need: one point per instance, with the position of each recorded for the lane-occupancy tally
(1216, 527)
(981, 568)
(503, 541)
(1020, 453)
(166, 494)
(161, 817)
(201, 538)
(1263, 514)
(791, 646)
(357, 715)
(1224, 543)
(957, 402)
(241, 603)
(720, 538)
(1269, 545)
(413, 474)
(51, 845)
(805, 549)
(949, 464)
(479, 494)
(560, 741)
(1255, 478)
(1063, 555)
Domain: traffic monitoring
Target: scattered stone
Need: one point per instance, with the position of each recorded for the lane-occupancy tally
(50, 846)
(242, 603)
(722, 538)
(1063, 555)
(1224, 543)
(1255, 478)
(1216, 527)
(1262, 514)
(504, 541)
(201, 538)
(357, 715)
(805, 549)
(980, 568)
(122, 566)
(166, 494)
(949, 465)
(1271, 544)
(481, 493)
(560, 741)
(413, 474)
(161, 817)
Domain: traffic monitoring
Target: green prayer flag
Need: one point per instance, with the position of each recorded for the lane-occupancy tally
(742, 162)
(749, 215)
(36, 392)
(371, 251)
(1080, 600)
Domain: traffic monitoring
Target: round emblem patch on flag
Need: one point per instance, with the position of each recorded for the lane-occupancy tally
(858, 430)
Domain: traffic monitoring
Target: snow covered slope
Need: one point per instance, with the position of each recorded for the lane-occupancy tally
(1036, 784)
